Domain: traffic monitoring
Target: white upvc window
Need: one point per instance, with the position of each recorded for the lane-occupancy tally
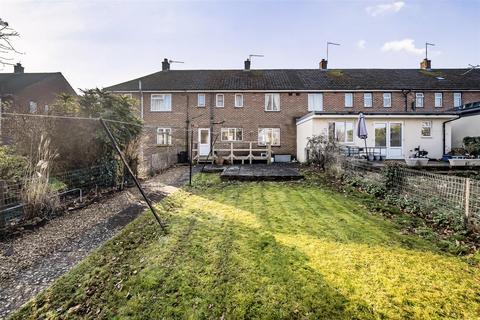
(238, 100)
(457, 99)
(367, 100)
(387, 100)
(161, 102)
(315, 102)
(419, 100)
(269, 135)
(348, 100)
(201, 100)
(219, 100)
(438, 100)
(32, 107)
(272, 102)
(232, 134)
(164, 136)
(46, 108)
(426, 129)
(341, 131)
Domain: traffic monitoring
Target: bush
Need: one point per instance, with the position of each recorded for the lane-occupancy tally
(12, 166)
(472, 145)
(323, 153)
(393, 176)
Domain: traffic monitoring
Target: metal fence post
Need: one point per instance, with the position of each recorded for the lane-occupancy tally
(466, 217)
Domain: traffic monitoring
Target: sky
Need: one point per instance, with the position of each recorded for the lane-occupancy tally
(104, 42)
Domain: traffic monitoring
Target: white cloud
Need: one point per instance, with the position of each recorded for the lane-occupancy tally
(361, 44)
(406, 45)
(382, 9)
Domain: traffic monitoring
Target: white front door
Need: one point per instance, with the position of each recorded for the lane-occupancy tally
(389, 137)
(203, 141)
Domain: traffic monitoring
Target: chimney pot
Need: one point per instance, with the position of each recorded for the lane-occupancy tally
(247, 64)
(18, 68)
(323, 64)
(426, 64)
(165, 65)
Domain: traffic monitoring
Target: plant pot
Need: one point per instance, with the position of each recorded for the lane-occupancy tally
(422, 161)
(411, 162)
(457, 162)
(473, 162)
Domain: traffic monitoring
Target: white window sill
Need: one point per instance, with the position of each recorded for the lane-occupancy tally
(163, 145)
(424, 137)
(272, 110)
(160, 110)
(219, 107)
(200, 106)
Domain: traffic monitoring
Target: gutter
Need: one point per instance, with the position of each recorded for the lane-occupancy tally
(141, 97)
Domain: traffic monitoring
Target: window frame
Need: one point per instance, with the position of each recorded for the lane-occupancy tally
(163, 95)
(436, 95)
(204, 104)
(429, 126)
(265, 143)
(389, 95)
(236, 130)
(345, 125)
(223, 100)
(273, 102)
(235, 100)
(350, 94)
(419, 95)
(168, 136)
(32, 106)
(312, 108)
(365, 94)
(455, 95)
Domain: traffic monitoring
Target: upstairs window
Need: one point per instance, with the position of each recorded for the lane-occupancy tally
(201, 100)
(272, 102)
(161, 102)
(219, 100)
(367, 100)
(32, 107)
(232, 134)
(315, 102)
(457, 99)
(238, 100)
(438, 100)
(419, 100)
(426, 129)
(164, 136)
(387, 100)
(269, 135)
(348, 100)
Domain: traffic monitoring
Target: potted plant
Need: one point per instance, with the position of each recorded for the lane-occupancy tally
(418, 158)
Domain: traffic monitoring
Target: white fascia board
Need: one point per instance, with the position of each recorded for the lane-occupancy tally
(378, 116)
(293, 90)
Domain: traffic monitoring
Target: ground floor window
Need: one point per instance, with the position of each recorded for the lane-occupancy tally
(340, 131)
(232, 134)
(164, 136)
(269, 135)
(426, 128)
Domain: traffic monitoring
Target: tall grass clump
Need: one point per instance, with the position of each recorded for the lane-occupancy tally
(39, 197)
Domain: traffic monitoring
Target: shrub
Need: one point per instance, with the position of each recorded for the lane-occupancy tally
(325, 154)
(472, 145)
(12, 166)
(393, 176)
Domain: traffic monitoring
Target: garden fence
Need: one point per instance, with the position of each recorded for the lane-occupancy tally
(459, 195)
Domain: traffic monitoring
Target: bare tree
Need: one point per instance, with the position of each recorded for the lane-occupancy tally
(6, 46)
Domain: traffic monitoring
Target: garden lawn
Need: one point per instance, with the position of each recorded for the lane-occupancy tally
(263, 250)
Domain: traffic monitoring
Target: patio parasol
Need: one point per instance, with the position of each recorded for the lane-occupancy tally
(362, 130)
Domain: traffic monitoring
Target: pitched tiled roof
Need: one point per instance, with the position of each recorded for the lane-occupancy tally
(307, 79)
(13, 82)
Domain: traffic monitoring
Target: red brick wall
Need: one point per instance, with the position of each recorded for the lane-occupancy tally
(253, 116)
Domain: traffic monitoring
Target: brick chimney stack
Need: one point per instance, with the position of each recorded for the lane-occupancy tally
(323, 64)
(426, 64)
(18, 68)
(165, 65)
(247, 65)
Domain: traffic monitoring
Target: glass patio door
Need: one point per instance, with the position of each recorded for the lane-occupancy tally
(389, 137)
(204, 141)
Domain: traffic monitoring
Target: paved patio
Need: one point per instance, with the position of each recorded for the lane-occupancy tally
(275, 172)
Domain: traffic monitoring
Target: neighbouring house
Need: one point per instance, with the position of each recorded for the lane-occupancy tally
(404, 108)
(23, 92)
(468, 125)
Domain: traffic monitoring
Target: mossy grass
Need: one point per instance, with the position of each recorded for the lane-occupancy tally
(265, 250)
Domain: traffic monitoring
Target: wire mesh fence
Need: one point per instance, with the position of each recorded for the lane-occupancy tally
(459, 196)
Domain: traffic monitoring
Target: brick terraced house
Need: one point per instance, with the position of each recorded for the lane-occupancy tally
(404, 108)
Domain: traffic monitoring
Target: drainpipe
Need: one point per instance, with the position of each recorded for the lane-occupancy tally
(141, 97)
(443, 130)
(405, 93)
(187, 127)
